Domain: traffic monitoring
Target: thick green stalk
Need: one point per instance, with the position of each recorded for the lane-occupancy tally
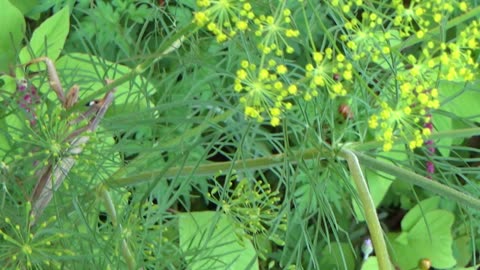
(369, 209)
(418, 180)
(214, 168)
(119, 179)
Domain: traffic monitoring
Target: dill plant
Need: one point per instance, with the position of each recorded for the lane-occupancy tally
(256, 145)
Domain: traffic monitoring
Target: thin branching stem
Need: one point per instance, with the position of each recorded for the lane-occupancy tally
(418, 180)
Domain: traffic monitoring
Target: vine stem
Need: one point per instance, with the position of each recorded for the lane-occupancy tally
(369, 209)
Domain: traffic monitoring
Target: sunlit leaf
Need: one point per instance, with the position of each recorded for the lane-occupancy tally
(13, 29)
(210, 242)
(48, 39)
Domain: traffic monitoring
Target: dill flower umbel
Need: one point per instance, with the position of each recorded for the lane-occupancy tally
(28, 248)
(254, 206)
(265, 91)
(224, 18)
(274, 32)
(408, 117)
(420, 16)
(328, 72)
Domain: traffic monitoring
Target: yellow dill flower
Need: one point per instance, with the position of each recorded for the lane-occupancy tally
(225, 18)
(275, 32)
(373, 122)
(200, 18)
(281, 69)
(263, 92)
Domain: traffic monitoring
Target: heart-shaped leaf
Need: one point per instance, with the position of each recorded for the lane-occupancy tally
(210, 241)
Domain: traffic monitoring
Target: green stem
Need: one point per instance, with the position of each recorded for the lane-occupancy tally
(373, 223)
(214, 168)
(418, 180)
(112, 214)
(472, 14)
(119, 179)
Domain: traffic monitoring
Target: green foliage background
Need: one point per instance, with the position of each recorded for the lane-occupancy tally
(225, 147)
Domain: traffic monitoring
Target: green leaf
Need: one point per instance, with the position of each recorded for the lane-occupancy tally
(13, 30)
(4, 140)
(9, 87)
(25, 6)
(337, 256)
(370, 264)
(429, 238)
(182, 15)
(417, 213)
(10, 126)
(89, 72)
(443, 123)
(462, 248)
(460, 99)
(48, 39)
(210, 242)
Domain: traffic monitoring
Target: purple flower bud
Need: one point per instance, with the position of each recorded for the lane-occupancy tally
(431, 149)
(22, 85)
(29, 96)
(430, 168)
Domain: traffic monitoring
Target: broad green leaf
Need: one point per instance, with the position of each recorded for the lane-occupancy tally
(89, 72)
(12, 123)
(337, 256)
(370, 264)
(462, 249)
(9, 87)
(183, 15)
(443, 123)
(429, 238)
(475, 267)
(13, 30)
(24, 5)
(210, 241)
(418, 211)
(10, 126)
(460, 99)
(48, 39)
(4, 141)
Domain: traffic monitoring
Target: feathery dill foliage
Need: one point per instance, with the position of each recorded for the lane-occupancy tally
(305, 74)
(371, 35)
(361, 61)
(26, 248)
(253, 205)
